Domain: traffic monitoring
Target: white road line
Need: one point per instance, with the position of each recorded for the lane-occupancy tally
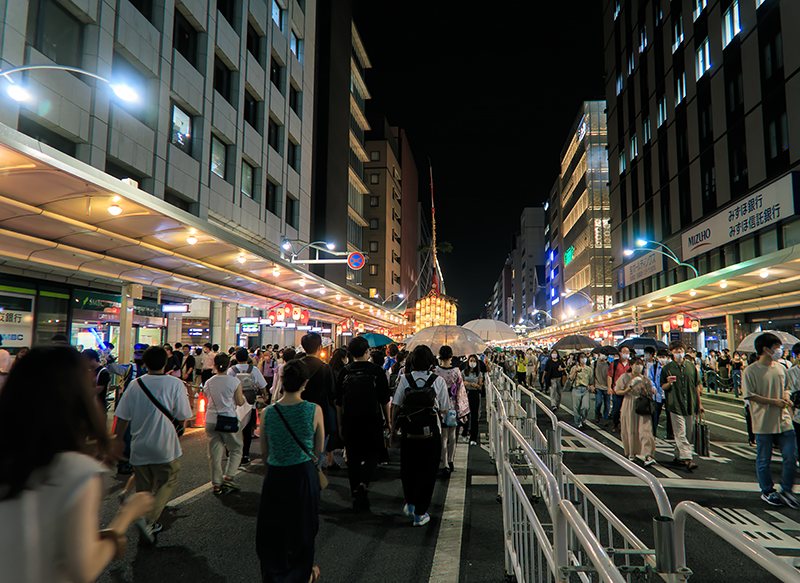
(600, 480)
(192, 494)
(727, 427)
(447, 557)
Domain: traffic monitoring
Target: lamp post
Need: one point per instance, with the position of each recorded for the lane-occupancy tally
(287, 245)
(670, 253)
(18, 92)
(544, 312)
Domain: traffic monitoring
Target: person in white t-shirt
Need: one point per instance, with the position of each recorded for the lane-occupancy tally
(224, 394)
(239, 369)
(155, 448)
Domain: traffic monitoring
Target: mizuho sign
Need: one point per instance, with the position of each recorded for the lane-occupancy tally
(753, 213)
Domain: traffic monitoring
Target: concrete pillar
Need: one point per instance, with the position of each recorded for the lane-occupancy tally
(232, 317)
(218, 321)
(125, 349)
(174, 328)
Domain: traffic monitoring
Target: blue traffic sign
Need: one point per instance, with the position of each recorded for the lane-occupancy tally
(356, 260)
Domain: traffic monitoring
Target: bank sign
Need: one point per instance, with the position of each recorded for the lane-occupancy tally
(646, 266)
(759, 210)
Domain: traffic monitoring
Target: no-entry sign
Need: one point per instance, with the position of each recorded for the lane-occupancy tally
(356, 260)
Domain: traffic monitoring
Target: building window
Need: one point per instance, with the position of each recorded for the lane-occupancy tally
(293, 155)
(225, 8)
(703, 60)
(253, 41)
(646, 127)
(247, 179)
(145, 8)
(292, 212)
(731, 25)
(294, 100)
(771, 54)
(219, 157)
(277, 14)
(273, 135)
(373, 246)
(273, 202)
(642, 38)
(55, 32)
(296, 46)
(222, 79)
(374, 201)
(631, 65)
(184, 39)
(699, 6)
(276, 74)
(634, 147)
(373, 269)
(677, 33)
(622, 161)
(181, 129)
(374, 178)
(680, 88)
(777, 134)
(373, 224)
(662, 111)
(251, 110)
(619, 83)
(617, 9)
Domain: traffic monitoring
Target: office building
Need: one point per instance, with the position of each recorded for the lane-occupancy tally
(529, 263)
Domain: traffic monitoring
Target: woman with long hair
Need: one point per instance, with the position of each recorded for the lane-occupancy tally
(292, 437)
(50, 486)
(473, 381)
(457, 392)
(636, 430)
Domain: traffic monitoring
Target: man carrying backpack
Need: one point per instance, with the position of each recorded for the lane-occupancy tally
(253, 384)
(362, 405)
(420, 400)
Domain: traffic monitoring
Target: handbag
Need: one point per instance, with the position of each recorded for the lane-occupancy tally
(645, 406)
(178, 425)
(702, 437)
(323, 480)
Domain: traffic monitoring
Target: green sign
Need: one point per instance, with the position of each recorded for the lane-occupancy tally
(568, 255)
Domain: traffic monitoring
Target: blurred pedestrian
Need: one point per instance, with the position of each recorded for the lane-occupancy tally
(553, 371)
(20, 353)
(459, 405)
(101, 378)
(473, 381)
(600, 385)
(522, 368)
(321, 384)
(288, 515)
(253, 386)
(636, 430)
(268, 366)
(581, 376)
(616, 368)
(48, 484)
(150, 404)
(662, 358)
(224, 394)
(419, 401)
(764, 386)
(207, 362)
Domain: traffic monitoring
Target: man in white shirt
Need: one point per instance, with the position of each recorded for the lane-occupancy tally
(155, 449)
(251, 388)
(764, 386)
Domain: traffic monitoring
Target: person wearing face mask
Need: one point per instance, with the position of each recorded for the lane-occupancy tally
(764, 387)
(598, 387)
(581, 377)
(681, 383)
(473, 380)
(615, 370)
(737, 365)
(532, 363)
(637, 432)
(662, 358)
(552, 378)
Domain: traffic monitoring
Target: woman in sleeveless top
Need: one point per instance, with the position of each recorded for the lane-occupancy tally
(50, 489)
(292, 437)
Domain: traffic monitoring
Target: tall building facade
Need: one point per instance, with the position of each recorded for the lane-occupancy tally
(529, 287)
(383, 212)
(340, 123)
(578, 247)
(410, 232)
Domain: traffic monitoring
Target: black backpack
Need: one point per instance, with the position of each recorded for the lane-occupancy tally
(418, 417)
(360, 394)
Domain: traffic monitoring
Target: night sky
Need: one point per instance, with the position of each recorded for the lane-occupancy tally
(488, 91)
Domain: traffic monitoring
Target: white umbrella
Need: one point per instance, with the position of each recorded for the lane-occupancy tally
(748, 344)
(491, 330)
(462, 341)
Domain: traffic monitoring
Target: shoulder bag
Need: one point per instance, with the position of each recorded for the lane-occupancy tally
(179, 427)
(323, 480)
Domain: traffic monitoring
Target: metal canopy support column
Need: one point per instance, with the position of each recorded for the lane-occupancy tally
(125, 349)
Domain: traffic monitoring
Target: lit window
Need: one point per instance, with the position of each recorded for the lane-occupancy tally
(219, 154)
(731, 26)
(296, 46)
(374, 201)
(373, 246)
(277, 14)
(375, 156)
(677, 33)
(374, 178)
(662, 111)
(631, 65)
(634, 147)
(623, 163)
(680, 89)
(759, 3)
(617, 9)
(647, 134)
(619, 85)
(643, 39)
(699, 6)
(373, 269)
(181, 129)
(247, 180)
(703, 61)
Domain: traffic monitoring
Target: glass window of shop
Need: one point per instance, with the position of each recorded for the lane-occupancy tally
(195, 331)
(51, 314)
(16, 320)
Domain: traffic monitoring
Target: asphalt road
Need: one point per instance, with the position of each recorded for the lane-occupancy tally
(725, 483)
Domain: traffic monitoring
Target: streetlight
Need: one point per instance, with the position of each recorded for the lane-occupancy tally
(536, 311)
(324, 246)
(18, 93)
(400, 296)
(670, 253)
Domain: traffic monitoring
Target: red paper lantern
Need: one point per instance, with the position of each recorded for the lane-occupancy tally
(304, 317)
(281, 315)
(296, 311)
(272, 317)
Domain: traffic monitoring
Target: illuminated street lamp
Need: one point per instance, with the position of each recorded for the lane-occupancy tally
(19, 93)
(670, 253)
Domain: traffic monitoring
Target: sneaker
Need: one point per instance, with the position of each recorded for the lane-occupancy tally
(422, 520)
(155, 528)
(220, 490)
(789, 499)
(452, 467)
(245, 461)
(230, 486)
(147, 532)
(473, 443)
(690, 465)
(632, 458)
(408, 510)
(649, 461)
(773, 499)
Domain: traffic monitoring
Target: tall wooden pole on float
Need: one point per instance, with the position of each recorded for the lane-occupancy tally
(435, 278)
